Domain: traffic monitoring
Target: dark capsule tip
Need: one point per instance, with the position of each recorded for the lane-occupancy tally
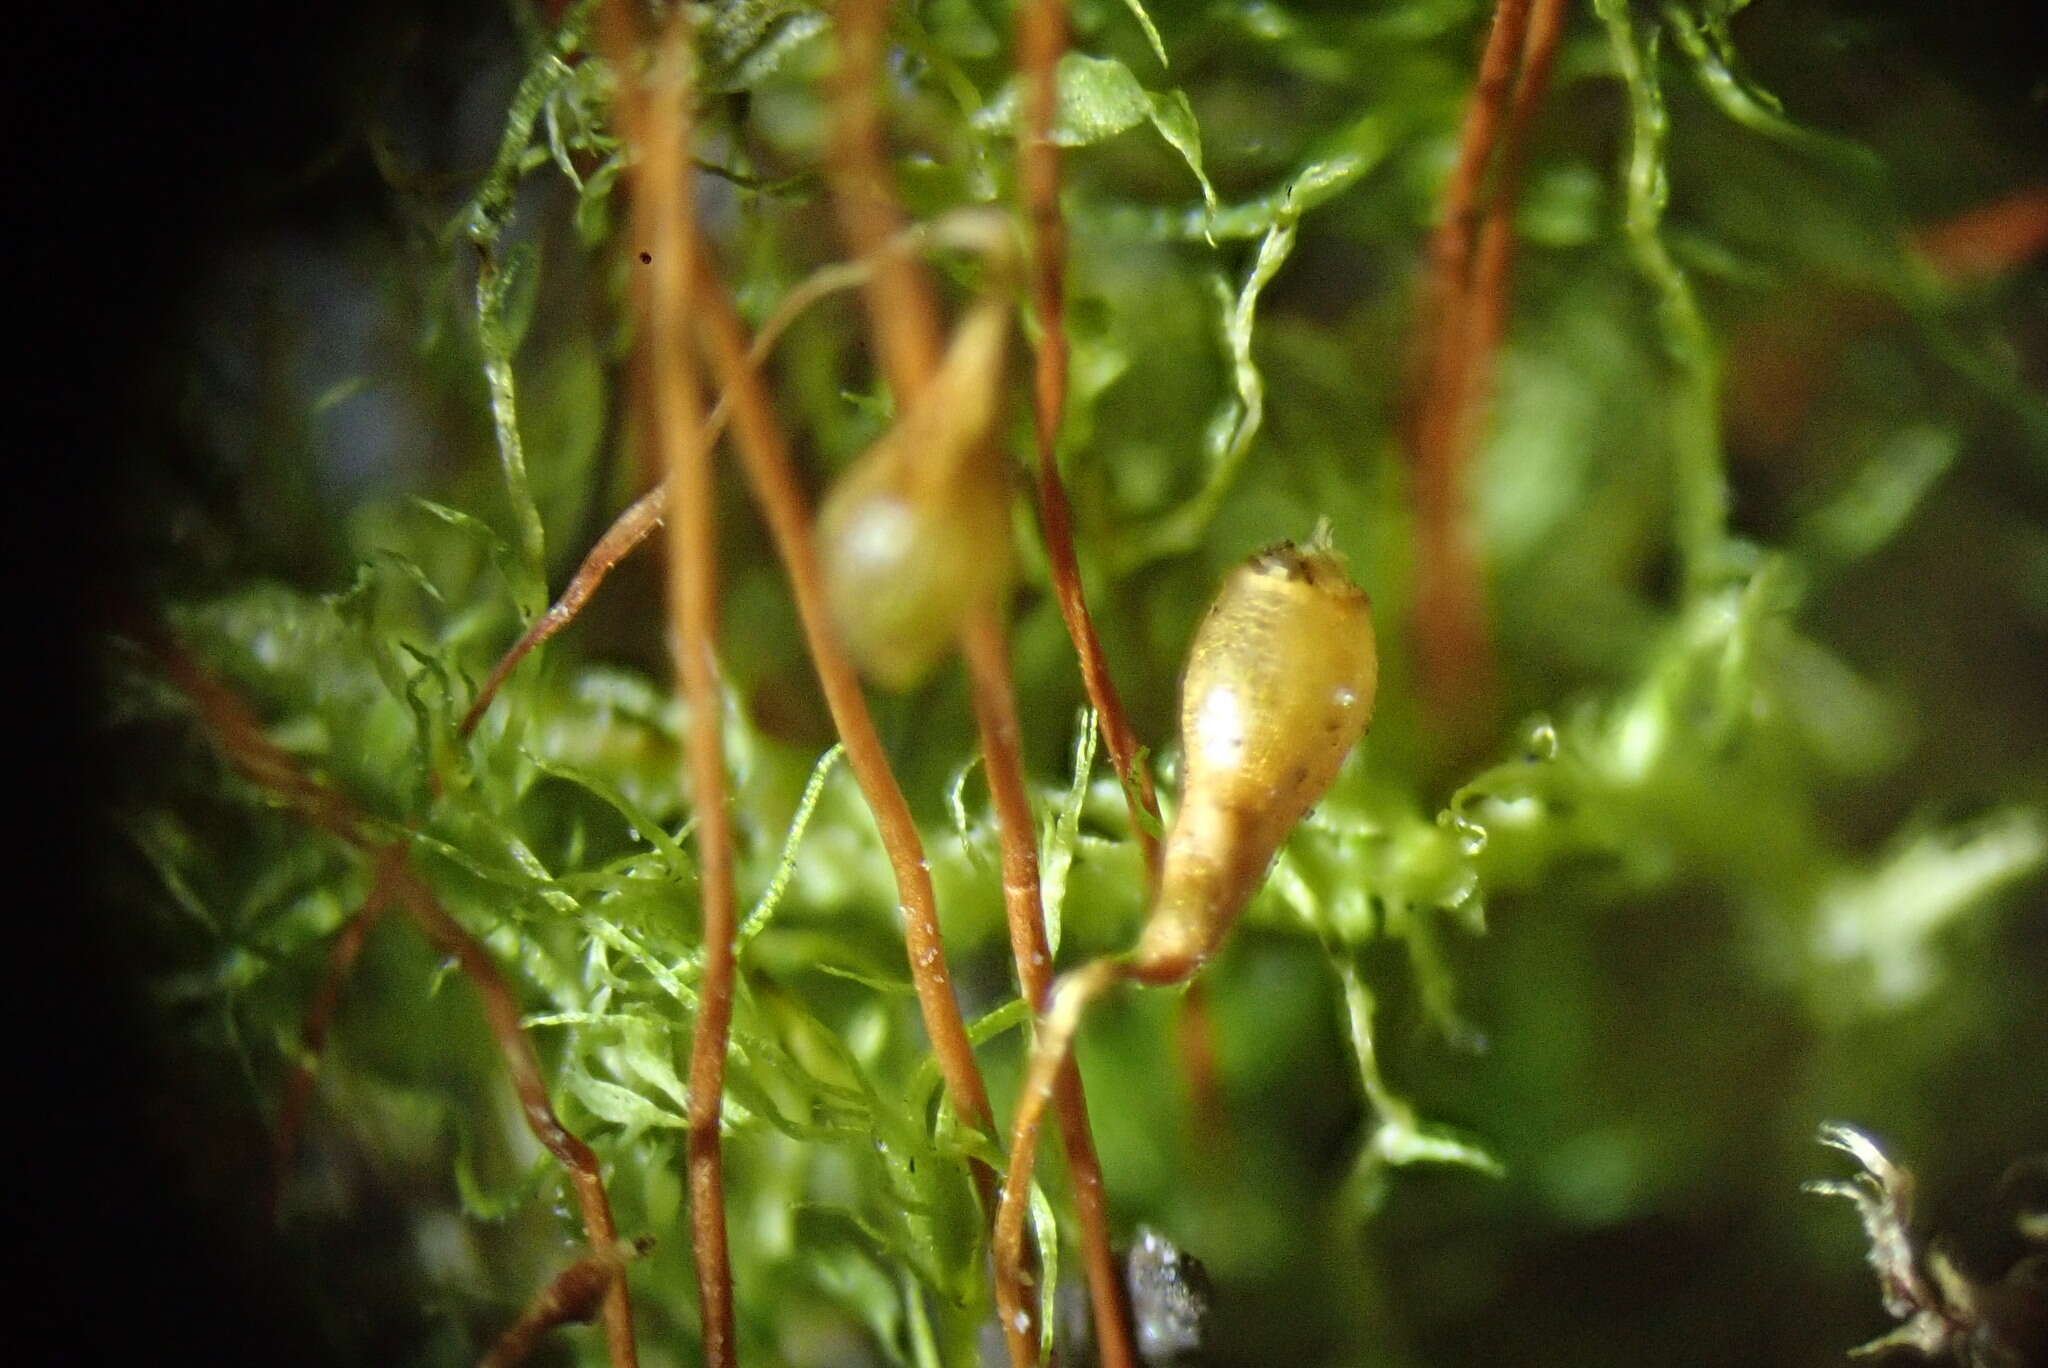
(1318, 565)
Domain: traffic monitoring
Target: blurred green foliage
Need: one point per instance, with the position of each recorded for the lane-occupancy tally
(1757, 841)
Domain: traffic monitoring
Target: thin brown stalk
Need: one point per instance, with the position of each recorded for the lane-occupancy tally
(1450, 248)
(631, 527)
(1051, 1048)
(995, 710)
(764, 451)
(240, 736)
(1041, 39)
(571, 1297)
(1450, 607)
(1454, 617)
(501, 1010)
(900, 303)
(1989, 240)
(1195, 1046)
(1492, 272)
(298, 1088)
(658, 116)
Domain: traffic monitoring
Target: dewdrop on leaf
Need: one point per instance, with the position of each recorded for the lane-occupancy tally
(917, 531)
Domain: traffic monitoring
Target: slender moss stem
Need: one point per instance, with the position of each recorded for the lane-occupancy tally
(1041, 39)
(658, 114)
(1700, 482)
(995, 710)
(484, 225)
(298, 1090)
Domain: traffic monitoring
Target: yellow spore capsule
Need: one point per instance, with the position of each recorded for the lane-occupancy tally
(1279, 688)
(916, 532)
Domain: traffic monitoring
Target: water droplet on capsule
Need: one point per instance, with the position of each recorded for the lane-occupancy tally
(1471, 836)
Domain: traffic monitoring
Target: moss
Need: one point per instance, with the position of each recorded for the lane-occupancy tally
(1755, 839)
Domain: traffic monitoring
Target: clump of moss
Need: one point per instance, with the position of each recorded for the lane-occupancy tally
(1754, 837)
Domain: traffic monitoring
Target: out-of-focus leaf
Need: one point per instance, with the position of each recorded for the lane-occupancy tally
(1100, 98)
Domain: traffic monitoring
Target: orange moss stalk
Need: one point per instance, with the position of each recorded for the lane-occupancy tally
(298, 1089)
(631, 527)
(900, 307)
(658, 117)
(1989, 240)
(1465, 305)
(1041, 39)
(995, 711)
(571, 1299)
(1194, 1046)
(1492, 269)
